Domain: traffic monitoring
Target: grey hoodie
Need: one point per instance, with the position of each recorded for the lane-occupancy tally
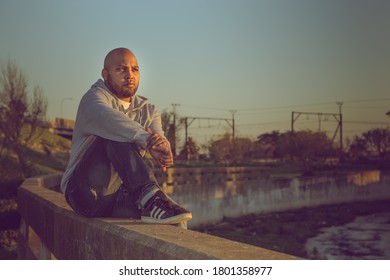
(100, 114)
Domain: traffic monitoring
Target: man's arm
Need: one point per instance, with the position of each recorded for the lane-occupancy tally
(97, 117)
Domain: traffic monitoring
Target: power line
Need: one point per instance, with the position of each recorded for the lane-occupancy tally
(287, 106)
(205, 108)
(263, 123)
(281, 123)
(367, 100)
(367, 122)
(360, 107)
(313, 121)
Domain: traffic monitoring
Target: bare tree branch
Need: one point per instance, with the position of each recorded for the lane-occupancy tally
(20, 115)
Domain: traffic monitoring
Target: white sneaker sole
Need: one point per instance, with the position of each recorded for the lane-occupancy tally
(168, 221)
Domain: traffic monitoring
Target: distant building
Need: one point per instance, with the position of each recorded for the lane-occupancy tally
(63, 127)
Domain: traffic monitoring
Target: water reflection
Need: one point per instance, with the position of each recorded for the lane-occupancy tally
(364, 178)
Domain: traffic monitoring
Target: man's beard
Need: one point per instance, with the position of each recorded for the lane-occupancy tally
(118, 91)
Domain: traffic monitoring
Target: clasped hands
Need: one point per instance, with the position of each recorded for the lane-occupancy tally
(160, 150)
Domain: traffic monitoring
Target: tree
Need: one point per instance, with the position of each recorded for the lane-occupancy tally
(20, 114)
(219, 150)
(242, 149)
(165, 122)
(378, 141)
(190, 150)
(283, 148)
(310, 147)
(266, 144)
(170, 129)
(269, 138)
(224, 150)
(358, 148)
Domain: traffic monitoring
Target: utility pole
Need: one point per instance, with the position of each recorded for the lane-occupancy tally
(233, 125)
(174, 105)
(189, 120)
(186, 138)
(337, 117)
(340, 104)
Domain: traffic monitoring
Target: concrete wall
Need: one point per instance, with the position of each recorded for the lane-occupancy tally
(50, 229)
(214, 193)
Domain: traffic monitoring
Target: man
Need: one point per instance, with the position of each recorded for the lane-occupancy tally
(107, 174)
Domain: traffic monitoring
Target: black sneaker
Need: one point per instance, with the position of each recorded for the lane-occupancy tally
(162, 210)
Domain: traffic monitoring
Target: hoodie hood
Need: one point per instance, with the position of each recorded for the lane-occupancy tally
(137, 101)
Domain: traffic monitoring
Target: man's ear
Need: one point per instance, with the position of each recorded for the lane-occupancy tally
(104, 74)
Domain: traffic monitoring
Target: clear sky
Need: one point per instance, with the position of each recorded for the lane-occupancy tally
(261, 58)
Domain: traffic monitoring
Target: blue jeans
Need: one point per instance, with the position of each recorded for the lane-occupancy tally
(88, 184)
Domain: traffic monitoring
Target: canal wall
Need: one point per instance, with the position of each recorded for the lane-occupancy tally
(214, 193)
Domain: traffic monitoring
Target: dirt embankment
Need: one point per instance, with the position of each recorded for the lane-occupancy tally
(288, 232)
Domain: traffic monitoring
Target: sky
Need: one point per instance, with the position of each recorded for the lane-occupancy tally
(256, 60)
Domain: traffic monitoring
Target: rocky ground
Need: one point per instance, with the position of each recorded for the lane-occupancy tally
(366, 238)
(288, 232)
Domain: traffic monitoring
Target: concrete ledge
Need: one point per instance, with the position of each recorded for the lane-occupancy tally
(65, 235)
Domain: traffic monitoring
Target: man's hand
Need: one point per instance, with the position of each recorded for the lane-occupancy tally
(160, 150)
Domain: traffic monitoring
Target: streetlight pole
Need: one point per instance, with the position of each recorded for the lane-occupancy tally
(62, 103)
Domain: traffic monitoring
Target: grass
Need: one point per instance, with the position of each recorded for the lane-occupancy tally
(48, 154)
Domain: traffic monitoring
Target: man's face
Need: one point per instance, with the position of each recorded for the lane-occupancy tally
(122, 75)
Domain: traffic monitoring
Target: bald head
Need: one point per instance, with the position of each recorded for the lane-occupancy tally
(121, 73)
(116, 54)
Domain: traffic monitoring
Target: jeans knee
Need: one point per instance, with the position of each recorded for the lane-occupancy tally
(84, 201)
